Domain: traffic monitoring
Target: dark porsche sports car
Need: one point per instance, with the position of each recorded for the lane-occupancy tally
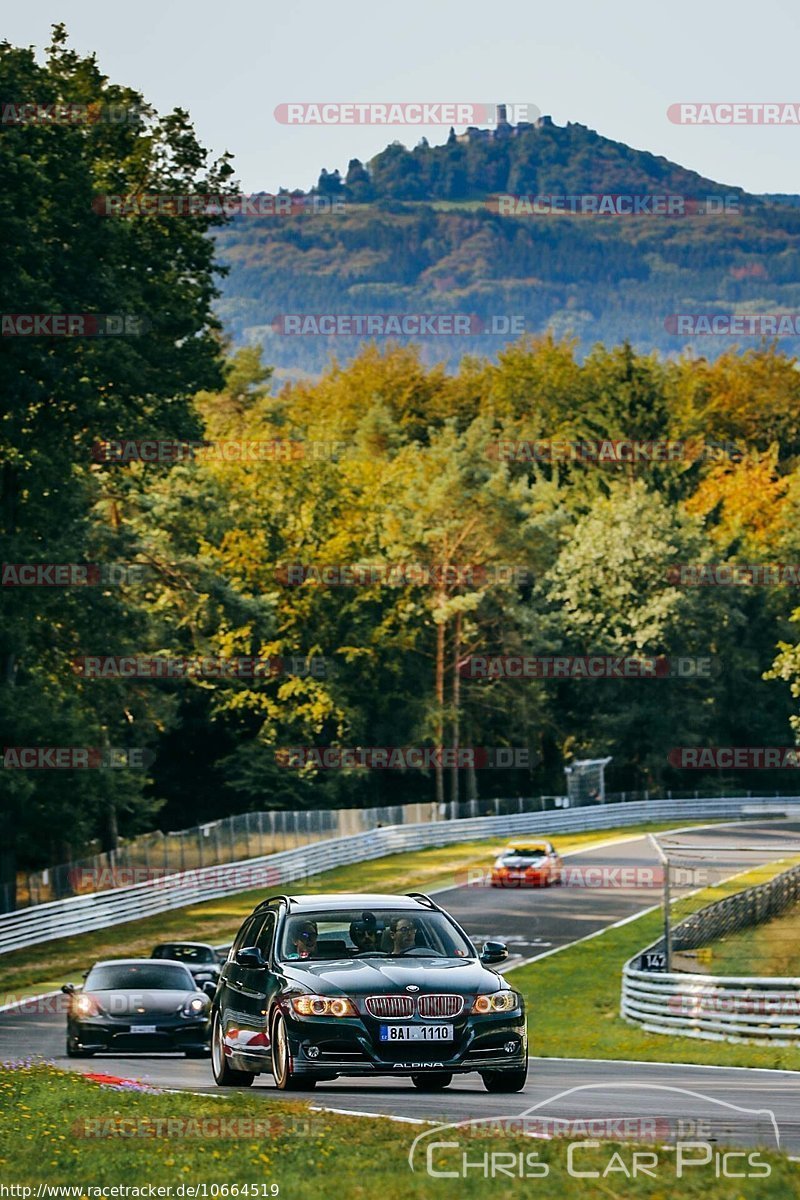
(136, 1005)
(320, 986)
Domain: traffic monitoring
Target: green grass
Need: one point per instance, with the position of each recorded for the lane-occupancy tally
(46, 1114)
(216, 921)
(586, 980)
(772, 948)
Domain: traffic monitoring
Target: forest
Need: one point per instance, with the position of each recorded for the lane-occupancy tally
(363, 536)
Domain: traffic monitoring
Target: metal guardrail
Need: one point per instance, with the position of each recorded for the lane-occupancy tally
(81, 914)
(718, 1008)
(740, 911)
(756, 1009)
(252, 834)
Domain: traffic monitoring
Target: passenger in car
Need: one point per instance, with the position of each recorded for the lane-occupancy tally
(363, 935)
(403, 932)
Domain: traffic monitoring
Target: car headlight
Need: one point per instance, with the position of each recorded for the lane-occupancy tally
(195, 1007)
(85, 1006)
(323, 1006)
(496, 1002)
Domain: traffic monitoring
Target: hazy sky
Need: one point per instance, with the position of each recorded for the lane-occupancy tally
(615, 67)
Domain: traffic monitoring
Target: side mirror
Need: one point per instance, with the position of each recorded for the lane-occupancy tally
(210, 989)
(494, 952)
(250, 957)
(68, 989)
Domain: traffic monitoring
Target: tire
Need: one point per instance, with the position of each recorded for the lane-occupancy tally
(285, 1080)
(74, 1052)
(505, 1081)
(436, 1081)
(225, 1076)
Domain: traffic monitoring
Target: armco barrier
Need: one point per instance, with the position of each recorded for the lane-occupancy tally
(81, 914)
(742, 910)
(719, 1007)
(713, 1007)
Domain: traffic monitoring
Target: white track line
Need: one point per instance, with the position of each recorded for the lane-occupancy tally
(637, 1062)
(357, 1112)
(28, 1000)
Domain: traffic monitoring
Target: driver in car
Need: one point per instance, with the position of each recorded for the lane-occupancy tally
(304, 939)
(403, 932)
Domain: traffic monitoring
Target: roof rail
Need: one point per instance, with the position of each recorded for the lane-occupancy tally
(425, 899)
(286, 899)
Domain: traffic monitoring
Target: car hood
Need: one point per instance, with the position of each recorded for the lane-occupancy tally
(116, 1003)
(374, 976)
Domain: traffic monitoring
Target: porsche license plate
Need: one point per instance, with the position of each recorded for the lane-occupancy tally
(416, 1033)
(143, 1028)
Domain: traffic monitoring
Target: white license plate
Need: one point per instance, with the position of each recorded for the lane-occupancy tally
(143, 1028)
(416, 1033)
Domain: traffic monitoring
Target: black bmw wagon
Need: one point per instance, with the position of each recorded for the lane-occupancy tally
(316, 987)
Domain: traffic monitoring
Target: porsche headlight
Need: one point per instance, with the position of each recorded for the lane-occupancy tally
(85, 1006)
(195, 1007)
(496, 1002)
(323, 1006)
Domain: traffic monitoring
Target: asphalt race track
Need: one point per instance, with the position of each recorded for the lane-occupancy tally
(533, 922)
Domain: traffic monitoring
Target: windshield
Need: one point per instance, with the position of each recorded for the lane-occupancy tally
(145, 976)
(523, 855)
(350, 933)
(187, 954)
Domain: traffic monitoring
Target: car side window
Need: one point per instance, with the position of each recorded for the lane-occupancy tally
(243, 936)
(266, 935)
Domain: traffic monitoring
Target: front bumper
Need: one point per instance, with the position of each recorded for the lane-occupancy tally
(114, 1037)
(321, 1046)
(535, 879)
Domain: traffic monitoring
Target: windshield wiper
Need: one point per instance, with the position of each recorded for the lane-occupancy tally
(421, 950)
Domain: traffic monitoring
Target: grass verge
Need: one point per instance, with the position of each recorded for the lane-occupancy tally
(303, 1155)
(34, 969)
(772, 948)
(587, 979)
